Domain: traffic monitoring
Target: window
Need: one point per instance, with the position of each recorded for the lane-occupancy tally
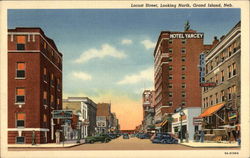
(183, 59)
(183, 94)
(222, 94)
(52, 100)
(58, 101)
(183, 77)
(58, 84)
(44, 45)
(20, 118)
(183, 41)
(211, 100)
(45, 97)
(20, 140)
(183, 67)
(45, 120)
(230, 50)
(183, 103)
(170, 77)
(183, 85)
(234, 69)
(183, 50)
(170, 94)
(170, 41)
(216, 79)
(45, 76)
(204, 102)
(170, 50)
(170, 67)
(20, 95)
(52, 80)
(222, 76)
(211, 65)
(170, 59)
(21, 40)
(170, 103)
(229, 91)
(216, 98)
(20, 72)
(170, 85)
(207, 101)
(229, 71)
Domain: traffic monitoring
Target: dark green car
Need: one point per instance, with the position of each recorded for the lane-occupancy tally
(104, 138)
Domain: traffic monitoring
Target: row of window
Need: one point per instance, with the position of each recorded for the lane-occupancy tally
(183, 41)
(227, 52)
(21, 74)
(170, 103)
(183, 94)
(220, 77)
(20, 97)
(183, 67)
(219, 97)
(183, 50)
(21, 45)
(170, 77)
(183, 85)
(21, 117)
(183, 59)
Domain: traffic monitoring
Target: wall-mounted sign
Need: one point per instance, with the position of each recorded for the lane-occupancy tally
(186, 35)
(232, 116)
(197, 120)
(208, 84)
(62, 114)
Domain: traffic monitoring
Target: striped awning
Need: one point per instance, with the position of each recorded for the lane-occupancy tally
(211, 110)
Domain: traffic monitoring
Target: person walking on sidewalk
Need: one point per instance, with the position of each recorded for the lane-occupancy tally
(202, 136)
(187, 136)
(57, 137)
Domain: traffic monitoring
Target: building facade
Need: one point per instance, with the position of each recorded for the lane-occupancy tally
(103, 117)
(34, 86)
(148, 110)
(221, 102)
(176, 76)
(85, 108)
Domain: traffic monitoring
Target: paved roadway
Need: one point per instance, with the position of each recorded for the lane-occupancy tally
(126, 144)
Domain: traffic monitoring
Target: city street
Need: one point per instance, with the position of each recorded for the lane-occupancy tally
(126, 144)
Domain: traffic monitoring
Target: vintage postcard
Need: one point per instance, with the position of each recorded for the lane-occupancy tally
(124, 79)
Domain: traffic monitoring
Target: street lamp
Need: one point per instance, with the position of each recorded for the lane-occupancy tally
(181, 114)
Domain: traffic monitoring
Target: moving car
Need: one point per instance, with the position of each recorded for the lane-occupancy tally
(125, 136)
(98, 138)
(145, 136)
(164, 138)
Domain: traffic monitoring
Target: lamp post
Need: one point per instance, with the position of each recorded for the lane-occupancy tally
(181, 114)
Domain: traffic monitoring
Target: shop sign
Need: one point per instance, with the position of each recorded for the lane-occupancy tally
(197, 120)
(62, 114)
(208, 84)
(232, 116)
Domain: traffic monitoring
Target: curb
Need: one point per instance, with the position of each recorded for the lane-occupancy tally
(48, 146)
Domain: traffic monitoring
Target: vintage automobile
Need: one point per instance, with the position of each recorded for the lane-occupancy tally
(164, 138)
(125, 136)
(104, 138)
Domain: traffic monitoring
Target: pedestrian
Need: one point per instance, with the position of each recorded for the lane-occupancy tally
(197, 138)
(202, 136)
(187, 136)
(33, 137)
(57, 137)
(229, 134)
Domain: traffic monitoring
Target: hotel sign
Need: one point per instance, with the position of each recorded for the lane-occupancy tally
(186, 35)
(208, 84)
(197, 120)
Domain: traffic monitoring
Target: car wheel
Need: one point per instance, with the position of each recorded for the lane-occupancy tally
(106, 140)
(164, 141)
(91, 141)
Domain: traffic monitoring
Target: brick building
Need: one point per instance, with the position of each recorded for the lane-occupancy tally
(221, 103)
(103, 117)
(176, 75)
(34, 86)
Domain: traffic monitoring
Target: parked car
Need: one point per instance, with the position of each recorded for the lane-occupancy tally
(164, 138)
(145, 136)
(112, 136)
(125, 136)
(98, 138)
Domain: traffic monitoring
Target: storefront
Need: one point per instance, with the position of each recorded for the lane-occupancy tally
(187, 122)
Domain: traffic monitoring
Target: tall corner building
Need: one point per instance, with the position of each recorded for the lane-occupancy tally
(176, 71)
(34, 86)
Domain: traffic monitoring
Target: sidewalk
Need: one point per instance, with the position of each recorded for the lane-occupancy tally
(66, 144)
(210, 144)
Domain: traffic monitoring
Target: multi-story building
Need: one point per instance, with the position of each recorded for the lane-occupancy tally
(176, 76)
(114, 123)
(34, 86)
(221, 102)
(148, 110)
(103, 117)
(85, 108)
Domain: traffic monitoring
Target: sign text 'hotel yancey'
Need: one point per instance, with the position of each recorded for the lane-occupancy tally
(186, 35)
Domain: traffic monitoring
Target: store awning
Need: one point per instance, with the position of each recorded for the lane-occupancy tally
(161, 124)
(211, 110)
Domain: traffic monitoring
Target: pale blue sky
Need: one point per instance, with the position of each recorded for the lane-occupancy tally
(116, 38)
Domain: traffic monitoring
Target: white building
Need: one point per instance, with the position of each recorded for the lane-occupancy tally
(187, 122)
